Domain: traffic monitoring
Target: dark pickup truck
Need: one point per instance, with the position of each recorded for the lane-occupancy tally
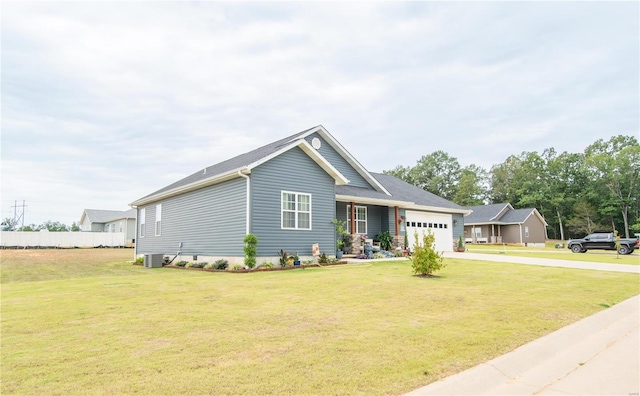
(602, 241)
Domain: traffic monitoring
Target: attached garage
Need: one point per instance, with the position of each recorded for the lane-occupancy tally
(440, 225)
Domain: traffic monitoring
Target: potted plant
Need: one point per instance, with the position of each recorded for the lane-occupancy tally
(460, 247)
(341, 231)
(296, 259)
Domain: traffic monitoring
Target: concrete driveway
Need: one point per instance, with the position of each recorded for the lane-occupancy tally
(598, 355)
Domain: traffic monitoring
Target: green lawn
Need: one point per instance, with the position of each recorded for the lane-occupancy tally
(596, 256)
(103, 326)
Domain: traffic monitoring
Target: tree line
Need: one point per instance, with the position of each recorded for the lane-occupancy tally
(577, 193)
(9, 224)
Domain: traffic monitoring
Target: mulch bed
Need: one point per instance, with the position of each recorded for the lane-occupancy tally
(244, 271)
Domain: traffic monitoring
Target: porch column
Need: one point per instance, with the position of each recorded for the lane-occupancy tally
(396, 222)
(352, 218)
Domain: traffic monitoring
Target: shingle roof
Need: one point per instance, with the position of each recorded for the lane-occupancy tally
(516, 215)
(403, 191)
(399, 190)
(230, 164)
(105, 216)
(484, 213)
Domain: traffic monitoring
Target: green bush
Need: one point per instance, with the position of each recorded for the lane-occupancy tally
(323, 259)
(221, 264)
(250, 250)
(386, 240)
(198, 265)
(188, 265)
(209, 266)
(425, 260)
(236, 267)
(379, 256)
(140, 260)
(266, 264)
(181, 263)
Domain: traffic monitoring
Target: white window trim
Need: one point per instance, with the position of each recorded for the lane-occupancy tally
(143, 215)
(158, 224)
(296, 211)
(356, 221)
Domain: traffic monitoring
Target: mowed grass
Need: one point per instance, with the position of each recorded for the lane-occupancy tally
(369, 328)
(549, 252)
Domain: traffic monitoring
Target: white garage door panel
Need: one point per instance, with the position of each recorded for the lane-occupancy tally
(438, 223)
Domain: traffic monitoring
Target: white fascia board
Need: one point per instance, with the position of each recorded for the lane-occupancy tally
(438, 209)
(232, 174)
(502, 211)
(401, 204)
(347, 156)
(371, 201)
(313, 154)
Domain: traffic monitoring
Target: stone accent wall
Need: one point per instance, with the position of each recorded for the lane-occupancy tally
(398, 242)
(356, 243)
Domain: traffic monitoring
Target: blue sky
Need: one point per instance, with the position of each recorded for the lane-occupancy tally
(103, 103)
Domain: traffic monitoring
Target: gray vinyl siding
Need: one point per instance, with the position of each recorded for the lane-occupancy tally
(208, 222)
(292, 171)
(458, 229)
(392, 218)
(355, 179)
(379, 218)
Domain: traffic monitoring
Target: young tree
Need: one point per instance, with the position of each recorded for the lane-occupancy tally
(425, 260)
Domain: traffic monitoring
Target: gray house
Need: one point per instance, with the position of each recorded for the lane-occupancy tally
(96, 220)
(501, 223)
(287, 193)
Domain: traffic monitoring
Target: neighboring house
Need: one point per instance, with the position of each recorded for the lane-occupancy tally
(95, 220)
(501, 223)
(287, 193)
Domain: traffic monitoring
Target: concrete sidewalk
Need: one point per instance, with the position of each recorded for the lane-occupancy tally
(598, 355)
(503, 258)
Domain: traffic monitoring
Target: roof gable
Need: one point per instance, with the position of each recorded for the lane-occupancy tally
(242, 164)
(105, 216)
(502, 213)
(402, 194)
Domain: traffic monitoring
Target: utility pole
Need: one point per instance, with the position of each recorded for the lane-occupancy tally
(18, 218)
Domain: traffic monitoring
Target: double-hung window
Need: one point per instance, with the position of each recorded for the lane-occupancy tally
(143, 215)
(158, 219)
(296, 211)
(360, 219)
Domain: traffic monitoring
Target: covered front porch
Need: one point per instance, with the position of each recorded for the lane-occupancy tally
(483, 233)
(365, 221)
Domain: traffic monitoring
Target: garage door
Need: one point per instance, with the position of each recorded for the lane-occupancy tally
(438, 223)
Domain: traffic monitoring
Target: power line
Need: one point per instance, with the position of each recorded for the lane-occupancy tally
(18, 218)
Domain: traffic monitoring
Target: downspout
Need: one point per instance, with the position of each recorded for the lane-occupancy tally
(248, 199)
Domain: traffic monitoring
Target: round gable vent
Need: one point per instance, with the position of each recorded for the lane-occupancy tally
(316, 143)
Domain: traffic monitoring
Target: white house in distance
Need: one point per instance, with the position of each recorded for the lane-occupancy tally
(97, 220)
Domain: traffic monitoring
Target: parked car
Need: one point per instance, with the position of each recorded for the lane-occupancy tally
(602, 241)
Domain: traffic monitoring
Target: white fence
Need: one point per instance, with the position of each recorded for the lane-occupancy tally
(61, 239)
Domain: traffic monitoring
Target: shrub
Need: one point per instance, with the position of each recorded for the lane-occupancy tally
(399, 253)
(198, 265)
(307, 262)
(266, 264)
(140, 260)
(209, 266)
(181, 263)
(323, 259)
(188, 265)
(284, 258)
(250, 250)
(386, 240)
(425, 260)
(236, 267)
(379, 256)
(221, 264)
